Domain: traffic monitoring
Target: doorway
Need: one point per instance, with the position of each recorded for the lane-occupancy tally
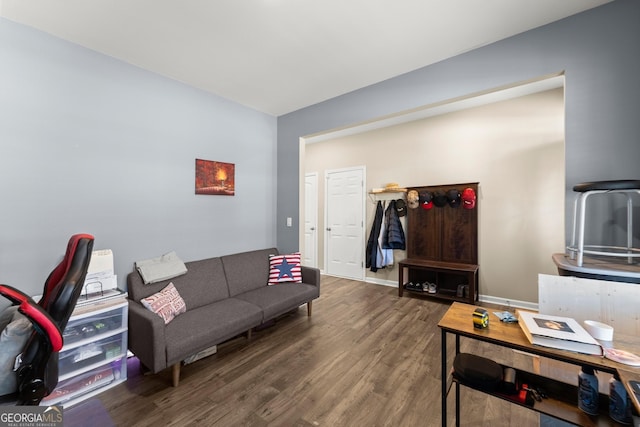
(514, 148)
(344, 223)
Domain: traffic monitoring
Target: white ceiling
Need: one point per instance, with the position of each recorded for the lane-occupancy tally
(278, 56)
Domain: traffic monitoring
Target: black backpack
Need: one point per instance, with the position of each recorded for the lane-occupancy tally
(476, 371)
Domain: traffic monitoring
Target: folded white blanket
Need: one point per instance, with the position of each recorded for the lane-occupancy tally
(164, 267)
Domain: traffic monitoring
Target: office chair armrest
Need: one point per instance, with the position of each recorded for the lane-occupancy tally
(42, 322)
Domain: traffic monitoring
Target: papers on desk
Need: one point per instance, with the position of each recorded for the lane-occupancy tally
(506, 316)
(100, 276)
(100, 283)
(101, 297)
(563, 333)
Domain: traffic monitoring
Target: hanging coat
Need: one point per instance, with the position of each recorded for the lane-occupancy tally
(385, 255)
(394, 234)
(372, 244)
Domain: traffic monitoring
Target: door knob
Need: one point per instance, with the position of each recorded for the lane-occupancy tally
(328, 228)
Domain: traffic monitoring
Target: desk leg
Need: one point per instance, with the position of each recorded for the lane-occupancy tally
(457, 405)
(443, 375)
(457, 385)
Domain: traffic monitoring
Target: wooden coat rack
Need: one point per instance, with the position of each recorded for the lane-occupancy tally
(442, 248)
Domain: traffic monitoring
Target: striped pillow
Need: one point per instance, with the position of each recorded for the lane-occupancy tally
(167, 303)
(285, 268)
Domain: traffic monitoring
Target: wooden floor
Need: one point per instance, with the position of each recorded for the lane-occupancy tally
(365, 358)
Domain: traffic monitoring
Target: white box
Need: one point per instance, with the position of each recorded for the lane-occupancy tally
(101, 262)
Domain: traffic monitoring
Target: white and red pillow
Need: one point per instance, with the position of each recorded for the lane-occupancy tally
(167, 303)
(285, 268)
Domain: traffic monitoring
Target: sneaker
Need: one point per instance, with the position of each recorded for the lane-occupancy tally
(413, 287)
(429, 287)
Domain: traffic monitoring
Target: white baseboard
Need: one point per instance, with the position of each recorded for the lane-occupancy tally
(482, 298)
(508, 302)
(382, 282)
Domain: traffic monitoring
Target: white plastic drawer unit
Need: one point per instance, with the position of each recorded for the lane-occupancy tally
(94, 356)
(88, 355)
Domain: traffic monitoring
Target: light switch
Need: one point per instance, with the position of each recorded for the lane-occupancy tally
(289, 221)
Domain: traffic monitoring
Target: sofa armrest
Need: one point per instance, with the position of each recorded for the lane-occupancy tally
(310, 276)
(146, 337)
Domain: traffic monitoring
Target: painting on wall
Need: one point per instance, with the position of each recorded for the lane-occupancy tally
(216, 178)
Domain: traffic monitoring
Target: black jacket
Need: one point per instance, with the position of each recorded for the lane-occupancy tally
(372, 243)
(394, 236)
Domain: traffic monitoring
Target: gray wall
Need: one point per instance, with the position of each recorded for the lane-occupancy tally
(599, 52)
(91, 144)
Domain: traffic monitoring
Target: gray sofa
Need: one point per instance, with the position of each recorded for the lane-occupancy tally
(225, 297)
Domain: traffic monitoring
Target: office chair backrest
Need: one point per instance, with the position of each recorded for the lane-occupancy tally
(38, 371)
(64, 284)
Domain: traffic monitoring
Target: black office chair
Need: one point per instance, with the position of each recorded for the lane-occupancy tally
(37, 372)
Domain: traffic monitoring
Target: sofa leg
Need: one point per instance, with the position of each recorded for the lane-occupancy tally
(144, 370)
(249, 333)
(175, 370)
(309, 308)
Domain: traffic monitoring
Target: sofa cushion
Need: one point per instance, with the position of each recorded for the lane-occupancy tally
(248, 270)
(277, 300)
(203, 284)
(285, 268)
(167, 303)
(205, 326)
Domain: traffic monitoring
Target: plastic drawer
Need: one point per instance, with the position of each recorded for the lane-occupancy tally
(86, 355)
(96, 378)
(92, 326)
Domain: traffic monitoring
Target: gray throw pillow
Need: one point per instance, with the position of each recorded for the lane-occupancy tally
(7, 316)
(12, 341)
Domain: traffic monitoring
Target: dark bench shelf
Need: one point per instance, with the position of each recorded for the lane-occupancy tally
(445, 275)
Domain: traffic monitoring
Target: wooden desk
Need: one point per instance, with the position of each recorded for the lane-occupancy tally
(458, 321)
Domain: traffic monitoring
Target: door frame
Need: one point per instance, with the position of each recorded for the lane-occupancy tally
(325, 233)
(315, 242)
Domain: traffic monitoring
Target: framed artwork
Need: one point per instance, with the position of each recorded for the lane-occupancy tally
(216, 178)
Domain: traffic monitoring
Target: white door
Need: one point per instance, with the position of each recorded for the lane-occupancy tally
(344, 230)
(310, 251)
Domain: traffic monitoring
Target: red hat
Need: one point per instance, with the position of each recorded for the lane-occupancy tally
(468, 198)
(426, 200)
